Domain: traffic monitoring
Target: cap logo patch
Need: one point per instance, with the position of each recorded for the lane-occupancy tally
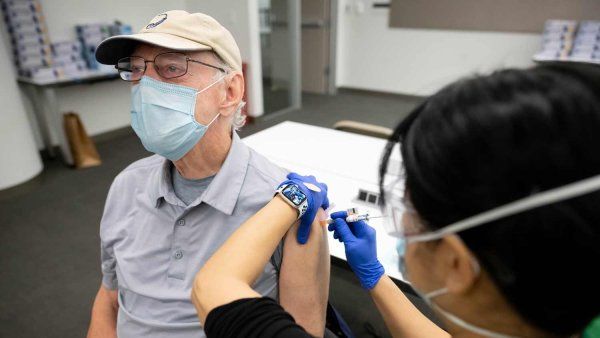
(157, 20)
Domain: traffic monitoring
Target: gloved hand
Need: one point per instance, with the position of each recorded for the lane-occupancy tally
(316, 200)
(361, 248)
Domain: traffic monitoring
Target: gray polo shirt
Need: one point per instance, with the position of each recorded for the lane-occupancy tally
(152, 244)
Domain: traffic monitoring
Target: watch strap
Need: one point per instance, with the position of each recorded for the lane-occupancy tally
(303, 207)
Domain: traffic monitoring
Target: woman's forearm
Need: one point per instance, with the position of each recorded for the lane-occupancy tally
(229, 273)
(401, 317)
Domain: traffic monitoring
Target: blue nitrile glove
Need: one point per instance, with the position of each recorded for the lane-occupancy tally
(316, 200)
(361, 248)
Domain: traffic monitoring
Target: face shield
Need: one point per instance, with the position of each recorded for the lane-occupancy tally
(411, 231)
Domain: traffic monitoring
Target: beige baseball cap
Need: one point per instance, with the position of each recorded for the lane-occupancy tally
(177, 30)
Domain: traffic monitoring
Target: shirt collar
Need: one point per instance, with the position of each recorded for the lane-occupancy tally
(164, 186)
(223, 191)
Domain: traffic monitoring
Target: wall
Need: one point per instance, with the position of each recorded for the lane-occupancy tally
(372, 56)
(19, 158)
(240, 17)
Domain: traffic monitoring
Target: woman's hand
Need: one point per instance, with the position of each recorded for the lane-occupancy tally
(316, 194)
(361, 248)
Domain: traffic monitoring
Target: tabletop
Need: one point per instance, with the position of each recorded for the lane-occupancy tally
(346, 162)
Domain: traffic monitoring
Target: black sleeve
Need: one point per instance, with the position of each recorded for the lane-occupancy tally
(251, 318)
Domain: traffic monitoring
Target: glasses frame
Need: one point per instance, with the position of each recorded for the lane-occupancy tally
(187, 61)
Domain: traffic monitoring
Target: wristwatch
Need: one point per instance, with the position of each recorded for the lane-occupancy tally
(294, 196)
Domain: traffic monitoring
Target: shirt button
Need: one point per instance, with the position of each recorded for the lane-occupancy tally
(178, 254)
(181, 222)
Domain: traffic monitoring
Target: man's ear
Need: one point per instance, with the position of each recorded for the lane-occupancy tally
(460, 269)
(234, 92)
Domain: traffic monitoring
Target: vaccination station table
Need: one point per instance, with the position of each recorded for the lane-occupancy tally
(346, 162)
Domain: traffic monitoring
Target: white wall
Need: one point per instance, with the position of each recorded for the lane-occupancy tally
(240, 17)
(62, 16)
(373, 56)
(19, 158)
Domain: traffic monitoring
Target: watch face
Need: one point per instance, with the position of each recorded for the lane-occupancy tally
(294, 194)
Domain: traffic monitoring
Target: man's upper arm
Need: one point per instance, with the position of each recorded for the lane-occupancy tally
(304, 270)
(108, 236)
(304, 279)
(109, 264)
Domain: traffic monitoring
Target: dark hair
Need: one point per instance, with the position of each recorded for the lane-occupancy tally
(488, 140)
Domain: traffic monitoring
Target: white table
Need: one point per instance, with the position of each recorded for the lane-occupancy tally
(346, 162)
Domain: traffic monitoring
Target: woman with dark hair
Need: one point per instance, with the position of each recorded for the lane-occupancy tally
(497, 206)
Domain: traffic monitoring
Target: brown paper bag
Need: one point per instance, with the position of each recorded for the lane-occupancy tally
(83, 149)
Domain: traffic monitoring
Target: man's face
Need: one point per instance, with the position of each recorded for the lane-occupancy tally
(198, 76)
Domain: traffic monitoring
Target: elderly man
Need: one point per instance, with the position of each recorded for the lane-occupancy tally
(165, 215)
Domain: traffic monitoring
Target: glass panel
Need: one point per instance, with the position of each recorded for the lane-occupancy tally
(279, 37)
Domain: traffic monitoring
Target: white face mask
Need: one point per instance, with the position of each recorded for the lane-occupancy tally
(428, 297)
(467, 326)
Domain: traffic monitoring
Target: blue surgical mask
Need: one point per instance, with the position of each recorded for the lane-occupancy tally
(162, 115)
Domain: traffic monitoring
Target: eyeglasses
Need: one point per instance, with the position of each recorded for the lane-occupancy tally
(168, 65)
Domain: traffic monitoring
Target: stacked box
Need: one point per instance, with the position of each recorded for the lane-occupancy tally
(39, 59)
(90, 36)
(569, 41)
(28, 34)
(557, 40)
(586, 47)
(68, 59)
(119, 28)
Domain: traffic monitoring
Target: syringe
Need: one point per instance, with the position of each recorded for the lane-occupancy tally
(352, 218)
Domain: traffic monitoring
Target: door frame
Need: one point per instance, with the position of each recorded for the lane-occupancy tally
(295, 28)
(333, 27)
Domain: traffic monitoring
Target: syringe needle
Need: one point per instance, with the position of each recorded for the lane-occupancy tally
(354, 219)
